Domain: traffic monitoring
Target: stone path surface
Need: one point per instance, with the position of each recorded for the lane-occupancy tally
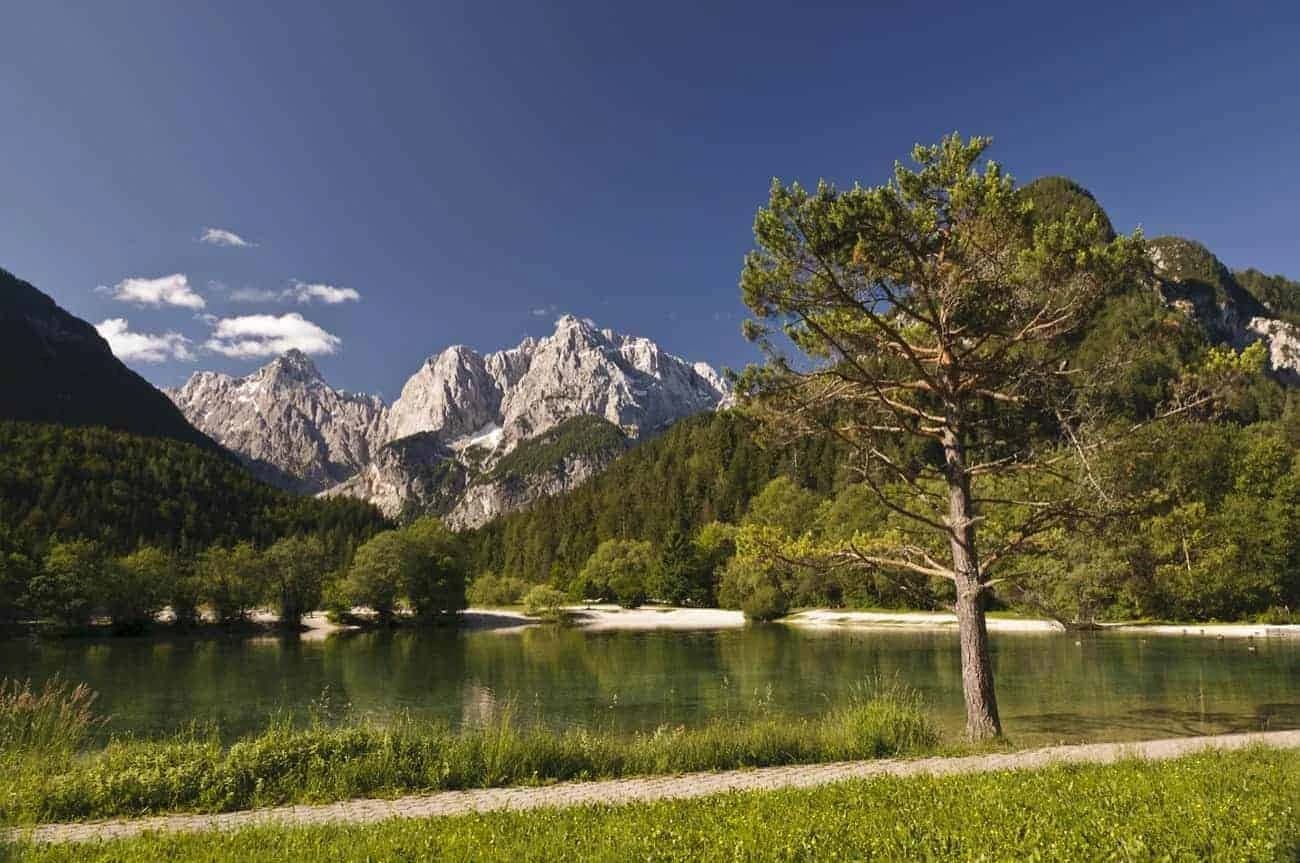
(640, 789)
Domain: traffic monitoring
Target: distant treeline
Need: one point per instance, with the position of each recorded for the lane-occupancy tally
(104, 525)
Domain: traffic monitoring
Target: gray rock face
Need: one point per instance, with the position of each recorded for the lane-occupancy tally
(418, 473)
(286, 422)
(452, 393)
(484, 501)
(629, 381)
(456, 417)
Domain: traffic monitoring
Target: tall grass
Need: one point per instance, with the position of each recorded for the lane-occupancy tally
(321, 763)
(51, 723)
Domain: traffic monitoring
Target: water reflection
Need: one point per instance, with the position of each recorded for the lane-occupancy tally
(1051, 687)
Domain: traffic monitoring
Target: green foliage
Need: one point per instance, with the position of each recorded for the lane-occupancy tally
(1223, 806)
(422, 563)
(489, 589)
(784, 505)
(285, 764)
(753, 584)
(297, 567)
(136, 586)
(233, 580)
(1280, 294)
(545, 602)
(1056, 199)
(379, 569)
(685, 578)
(435, 584)
(69, 582)
(624, 570)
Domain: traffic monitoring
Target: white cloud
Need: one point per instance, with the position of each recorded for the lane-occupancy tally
(222, 237)
(173, 290)
(544, 311)
(143, 347)
(300, 292)
(255, 295)
(304, 292)
(251, 336)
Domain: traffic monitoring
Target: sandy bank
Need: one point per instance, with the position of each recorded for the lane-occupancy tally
(599, 618)
(912, 620)
(947, 620)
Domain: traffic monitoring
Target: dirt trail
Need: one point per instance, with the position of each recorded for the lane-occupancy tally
(639, 789)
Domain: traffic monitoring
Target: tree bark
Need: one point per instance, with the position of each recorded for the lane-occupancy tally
(982, 722)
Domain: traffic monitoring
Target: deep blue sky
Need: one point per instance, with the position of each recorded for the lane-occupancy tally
(465, 166)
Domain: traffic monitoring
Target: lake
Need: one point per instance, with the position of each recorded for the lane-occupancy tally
(1106, 687)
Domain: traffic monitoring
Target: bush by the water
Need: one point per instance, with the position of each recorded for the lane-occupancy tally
(1240, 806)
(286, 764)
(489, 590)
(545, 602)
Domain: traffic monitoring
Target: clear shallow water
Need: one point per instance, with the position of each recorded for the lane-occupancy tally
(1110, 686)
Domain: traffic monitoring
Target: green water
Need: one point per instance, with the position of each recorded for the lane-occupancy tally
(1050, 687)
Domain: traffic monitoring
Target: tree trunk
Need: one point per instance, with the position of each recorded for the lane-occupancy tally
(982, 722)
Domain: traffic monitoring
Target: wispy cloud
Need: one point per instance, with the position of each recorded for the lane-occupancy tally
(143, 347)
(306, 292)
(222, 237)
(297, 292)
(249, 336)
(544, 311)
(173, 290)
(255, 295)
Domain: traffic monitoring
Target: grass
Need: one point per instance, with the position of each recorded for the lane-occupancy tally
(38, 725)
(1243, 806)
(287, 764)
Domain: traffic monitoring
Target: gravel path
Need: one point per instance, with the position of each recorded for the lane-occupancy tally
(616, 791)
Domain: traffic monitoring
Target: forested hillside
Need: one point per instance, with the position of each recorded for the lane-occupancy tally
(124, 490)
(704, 468)
(55, 368)
(717, 511)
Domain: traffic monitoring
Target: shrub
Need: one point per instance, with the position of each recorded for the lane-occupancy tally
(544, 601)
(765, 602)
(754, 586)
(1279, 616)
(490, 589)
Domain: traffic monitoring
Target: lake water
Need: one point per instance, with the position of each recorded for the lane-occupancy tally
(1109, 686)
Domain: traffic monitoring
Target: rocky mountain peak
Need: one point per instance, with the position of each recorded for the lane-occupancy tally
(460, 413)
(293, 367)
(292, 428)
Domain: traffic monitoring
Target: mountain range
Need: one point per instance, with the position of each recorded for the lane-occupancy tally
(562, 406)
(473, 435)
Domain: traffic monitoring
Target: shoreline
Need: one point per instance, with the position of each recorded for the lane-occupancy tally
(605, 617)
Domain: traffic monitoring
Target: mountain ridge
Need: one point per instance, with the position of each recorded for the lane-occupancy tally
(459, 404)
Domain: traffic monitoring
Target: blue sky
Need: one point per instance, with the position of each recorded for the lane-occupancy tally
(471, 170)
